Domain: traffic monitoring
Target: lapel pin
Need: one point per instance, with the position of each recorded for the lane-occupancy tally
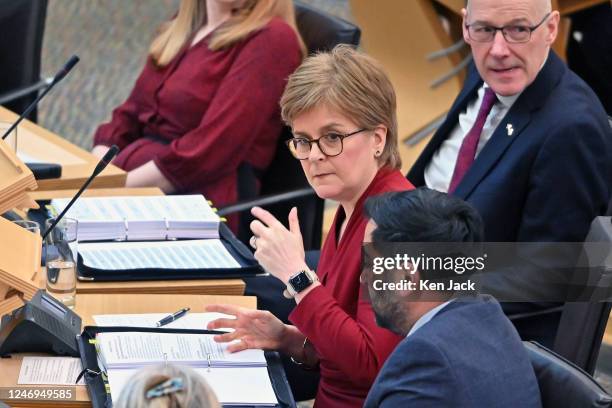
(510, 129)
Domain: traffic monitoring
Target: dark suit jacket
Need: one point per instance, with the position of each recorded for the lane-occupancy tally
(549, 179)
(468, 355)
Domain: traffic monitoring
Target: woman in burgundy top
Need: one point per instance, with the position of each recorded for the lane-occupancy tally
(207, 98)
(341, 108)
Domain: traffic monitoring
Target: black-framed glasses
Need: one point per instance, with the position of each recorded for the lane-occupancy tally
(330, 144)
(513, 33)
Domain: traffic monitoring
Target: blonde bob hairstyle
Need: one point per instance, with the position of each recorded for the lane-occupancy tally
(248, 17)
(195, 393)
(353, 84)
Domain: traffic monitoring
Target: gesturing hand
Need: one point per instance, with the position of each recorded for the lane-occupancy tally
(256, 329)
(279, 250)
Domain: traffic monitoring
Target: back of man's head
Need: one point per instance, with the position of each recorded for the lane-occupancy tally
(423, 215)
(418, 238)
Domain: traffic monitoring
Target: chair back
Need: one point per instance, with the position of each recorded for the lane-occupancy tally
(563, 384)
(583, 324)
(320, 32)
(22, 25)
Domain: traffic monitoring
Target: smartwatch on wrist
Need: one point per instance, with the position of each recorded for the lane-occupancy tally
(299, 282)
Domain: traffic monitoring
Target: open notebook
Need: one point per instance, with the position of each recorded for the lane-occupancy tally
(236, 378)
(142, 218)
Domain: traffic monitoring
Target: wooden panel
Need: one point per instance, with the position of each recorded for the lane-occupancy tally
(400, 34)
(77, 164)
(607, 339)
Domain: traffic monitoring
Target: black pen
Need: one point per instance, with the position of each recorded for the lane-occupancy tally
(172, 317)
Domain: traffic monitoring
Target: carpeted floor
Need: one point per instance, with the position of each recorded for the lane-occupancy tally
(112, 38)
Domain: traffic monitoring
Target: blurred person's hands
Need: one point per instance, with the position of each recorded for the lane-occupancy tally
(254, 329)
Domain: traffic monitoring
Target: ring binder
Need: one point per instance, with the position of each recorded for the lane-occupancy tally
(100, 394)
(126, 227)
(87, 372)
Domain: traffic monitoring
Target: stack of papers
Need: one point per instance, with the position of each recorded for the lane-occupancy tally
(190, 254)
(236, 378)
(142, 218)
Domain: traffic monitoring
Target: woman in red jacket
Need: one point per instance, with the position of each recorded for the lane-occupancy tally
(341, 108)
(207, 98)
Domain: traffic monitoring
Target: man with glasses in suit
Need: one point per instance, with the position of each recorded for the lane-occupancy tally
(526, 142)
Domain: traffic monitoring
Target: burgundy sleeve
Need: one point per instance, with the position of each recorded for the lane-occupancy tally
(243, 111)
(124, 126)
(364, 345)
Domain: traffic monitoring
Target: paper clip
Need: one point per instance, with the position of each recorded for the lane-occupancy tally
(208, 361)
(165, 359)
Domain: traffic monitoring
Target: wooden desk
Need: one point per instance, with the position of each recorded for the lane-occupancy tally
(97, 192)
(9, 367)
(77, 164)
(89, 305)
(193, 287)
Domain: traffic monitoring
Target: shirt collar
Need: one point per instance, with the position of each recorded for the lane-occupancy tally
(507, 101)
(427, 317)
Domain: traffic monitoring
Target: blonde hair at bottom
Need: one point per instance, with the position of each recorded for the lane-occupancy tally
(196, 393)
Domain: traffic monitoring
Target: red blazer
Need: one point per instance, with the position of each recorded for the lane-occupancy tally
(207, 111)
(337, 319)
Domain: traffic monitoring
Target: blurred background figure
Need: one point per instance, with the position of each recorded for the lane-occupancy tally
(206, 102)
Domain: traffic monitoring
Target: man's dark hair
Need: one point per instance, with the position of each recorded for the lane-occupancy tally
(423, 215)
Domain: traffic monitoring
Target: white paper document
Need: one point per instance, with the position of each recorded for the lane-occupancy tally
(50, 371)
(136, 349)
(142, 217)
(194, 321)
(190, 254)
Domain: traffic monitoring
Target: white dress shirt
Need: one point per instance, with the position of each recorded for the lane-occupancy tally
(427, 317)
(439, 171)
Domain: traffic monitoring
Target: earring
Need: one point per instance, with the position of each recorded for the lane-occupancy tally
(377, 153)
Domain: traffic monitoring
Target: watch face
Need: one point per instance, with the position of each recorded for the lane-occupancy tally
(300, 281)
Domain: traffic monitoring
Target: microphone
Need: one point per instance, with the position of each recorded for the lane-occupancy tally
(108, 157)
(65, 70)
(58, 77)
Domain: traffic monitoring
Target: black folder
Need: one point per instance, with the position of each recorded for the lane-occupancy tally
(248, 266)
(97, 388)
